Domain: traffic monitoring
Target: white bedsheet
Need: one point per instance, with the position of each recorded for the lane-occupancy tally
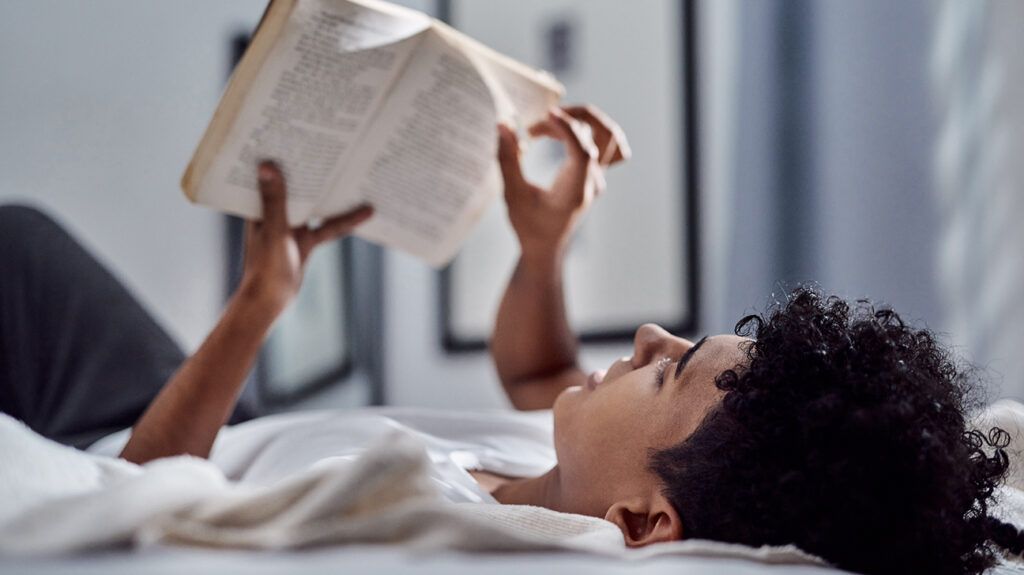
(59, 501)
(363, 559)
(79, 477)
(377, 560)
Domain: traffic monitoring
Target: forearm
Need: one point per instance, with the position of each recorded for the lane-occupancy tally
(199, 398)
(534, 349)
(532, 339)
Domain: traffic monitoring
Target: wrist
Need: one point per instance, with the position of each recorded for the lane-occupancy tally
(546, 259)
(257, 301)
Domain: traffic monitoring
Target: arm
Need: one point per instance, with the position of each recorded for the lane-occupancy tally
(186, 415)
(533, 347)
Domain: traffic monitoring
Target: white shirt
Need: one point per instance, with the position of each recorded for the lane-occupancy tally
(267, 449)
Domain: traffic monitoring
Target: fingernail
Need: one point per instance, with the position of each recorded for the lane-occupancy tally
(266, 173)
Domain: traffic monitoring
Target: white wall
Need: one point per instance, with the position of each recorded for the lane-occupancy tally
(102, 103)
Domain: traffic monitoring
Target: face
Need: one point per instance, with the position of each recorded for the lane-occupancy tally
(606, 429)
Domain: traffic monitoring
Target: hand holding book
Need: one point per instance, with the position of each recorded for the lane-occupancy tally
(275, 253)
(197, 400)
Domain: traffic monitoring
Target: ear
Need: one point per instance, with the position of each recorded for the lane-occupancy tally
(646, 520)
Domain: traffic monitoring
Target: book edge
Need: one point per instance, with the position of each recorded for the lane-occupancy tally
(271, 25)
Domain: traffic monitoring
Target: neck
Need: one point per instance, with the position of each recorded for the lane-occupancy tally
(543, 491)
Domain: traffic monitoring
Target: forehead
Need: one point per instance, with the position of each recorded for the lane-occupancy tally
(695, 392)
(719, 353)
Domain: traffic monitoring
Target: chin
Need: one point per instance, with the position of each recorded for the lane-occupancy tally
(566, 399)
(564, 409)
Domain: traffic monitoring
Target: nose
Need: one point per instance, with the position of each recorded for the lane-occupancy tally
(651, 341)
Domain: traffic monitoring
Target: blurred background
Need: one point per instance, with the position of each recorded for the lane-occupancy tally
(873, 147)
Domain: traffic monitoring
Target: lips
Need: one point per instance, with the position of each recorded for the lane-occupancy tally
(595, 379)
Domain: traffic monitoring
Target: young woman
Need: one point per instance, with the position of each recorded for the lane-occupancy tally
(839, 429)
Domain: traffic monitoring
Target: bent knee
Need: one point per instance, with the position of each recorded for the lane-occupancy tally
(15, 215)
(21, 223)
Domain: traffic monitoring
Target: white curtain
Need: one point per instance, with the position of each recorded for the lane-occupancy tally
(979, 161)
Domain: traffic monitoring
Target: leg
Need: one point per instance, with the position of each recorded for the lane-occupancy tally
(79, 356)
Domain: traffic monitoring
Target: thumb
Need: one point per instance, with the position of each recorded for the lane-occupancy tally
(274, 197)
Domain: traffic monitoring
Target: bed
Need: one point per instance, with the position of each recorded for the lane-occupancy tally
(378, 559)
(388, 560)
(334, 552)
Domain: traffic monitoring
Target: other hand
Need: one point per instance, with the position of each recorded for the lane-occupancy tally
(276, 255)
(544, 219)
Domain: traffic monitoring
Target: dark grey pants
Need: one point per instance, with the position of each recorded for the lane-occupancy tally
(79, 357)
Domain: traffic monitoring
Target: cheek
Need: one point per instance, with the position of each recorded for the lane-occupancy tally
(565, 412)
(598, 432)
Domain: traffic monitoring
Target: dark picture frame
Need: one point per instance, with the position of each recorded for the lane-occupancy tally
(690, 235)
(270, 391)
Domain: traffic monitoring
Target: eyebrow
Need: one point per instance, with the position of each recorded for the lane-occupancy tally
(686, 357)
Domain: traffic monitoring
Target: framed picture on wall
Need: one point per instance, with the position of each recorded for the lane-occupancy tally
(308, 349)
(634, 257)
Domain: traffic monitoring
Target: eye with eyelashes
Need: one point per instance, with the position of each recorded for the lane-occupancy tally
(659, 370)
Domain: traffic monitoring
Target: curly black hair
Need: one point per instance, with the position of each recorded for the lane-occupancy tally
(845, 434)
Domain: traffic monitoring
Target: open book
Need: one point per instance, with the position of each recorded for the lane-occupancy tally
(361, 101)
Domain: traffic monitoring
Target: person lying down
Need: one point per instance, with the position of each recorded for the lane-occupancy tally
(833, 426)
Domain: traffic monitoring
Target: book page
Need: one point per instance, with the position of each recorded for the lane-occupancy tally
(428, 165)
(313, 97)
(522, 94)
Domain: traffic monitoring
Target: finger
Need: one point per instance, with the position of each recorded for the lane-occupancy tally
(611, 140)
(249, 232)
(545, 128)
(249, 229)
(508, 157)
(341, 225)
(304, 239)
(572, 133)
(274, 197)
(600, 182)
